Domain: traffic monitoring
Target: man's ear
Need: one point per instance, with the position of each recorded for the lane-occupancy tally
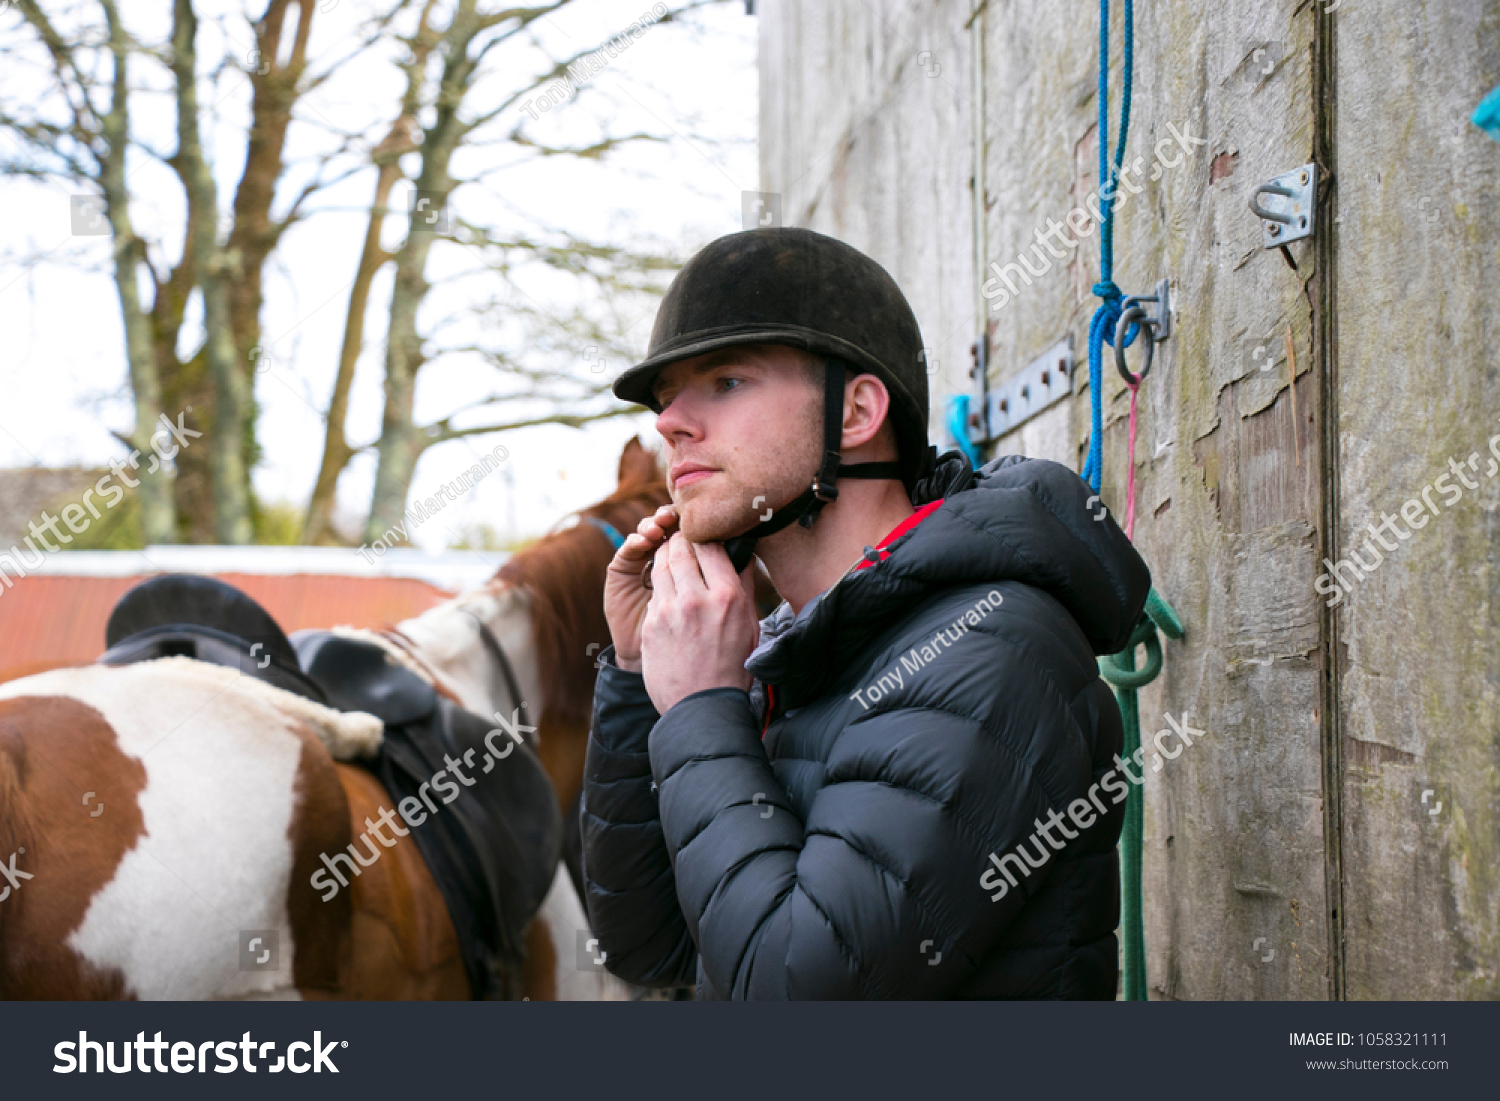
(867, 406)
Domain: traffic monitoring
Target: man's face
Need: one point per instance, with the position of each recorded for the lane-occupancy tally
(743, 429)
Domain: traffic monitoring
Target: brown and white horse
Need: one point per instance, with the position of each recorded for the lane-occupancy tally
(161, 823)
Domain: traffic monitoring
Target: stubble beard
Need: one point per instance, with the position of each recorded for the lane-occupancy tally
(771, 475)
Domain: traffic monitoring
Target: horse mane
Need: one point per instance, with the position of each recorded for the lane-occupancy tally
(563, 575)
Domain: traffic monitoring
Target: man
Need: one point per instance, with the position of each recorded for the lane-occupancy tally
(828, 819)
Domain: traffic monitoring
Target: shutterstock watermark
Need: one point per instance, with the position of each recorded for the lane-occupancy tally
(166, 442)
(589, 65)
(1082, 811)
(759, 209)
(73, 1057)
(1082, 220)
(1341, 576)
(422, 511)
(915, 659)
(13, 875)
(410, 808)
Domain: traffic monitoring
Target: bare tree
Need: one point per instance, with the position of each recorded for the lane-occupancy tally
(463, 89)
(206, 494)
(337, 451)
(83, 142)
(461, 50)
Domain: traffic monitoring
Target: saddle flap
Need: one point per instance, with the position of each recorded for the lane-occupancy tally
(485, 818)
(357, 675)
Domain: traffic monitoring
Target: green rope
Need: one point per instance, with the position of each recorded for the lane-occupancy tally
(1120, 673)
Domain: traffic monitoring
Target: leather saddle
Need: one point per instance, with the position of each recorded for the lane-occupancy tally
(490, 834)
(198, 617)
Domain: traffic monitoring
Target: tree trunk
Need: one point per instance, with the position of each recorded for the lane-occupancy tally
(158, 517)
(336, 450)
(232, 394)
(401, 442)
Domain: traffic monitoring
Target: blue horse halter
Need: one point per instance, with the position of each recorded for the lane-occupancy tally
(616, 540)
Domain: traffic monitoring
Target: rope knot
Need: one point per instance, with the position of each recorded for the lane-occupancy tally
(1107, 316)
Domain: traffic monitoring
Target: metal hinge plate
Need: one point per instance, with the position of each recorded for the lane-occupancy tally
(1045, 381)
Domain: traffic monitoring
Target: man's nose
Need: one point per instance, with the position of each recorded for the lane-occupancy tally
(679, 420)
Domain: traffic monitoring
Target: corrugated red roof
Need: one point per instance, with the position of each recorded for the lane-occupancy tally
(48, 621)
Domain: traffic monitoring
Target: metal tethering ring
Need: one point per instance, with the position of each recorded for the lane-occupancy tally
(1134, 315)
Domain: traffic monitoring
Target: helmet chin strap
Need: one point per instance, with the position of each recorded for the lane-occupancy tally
(804, 509)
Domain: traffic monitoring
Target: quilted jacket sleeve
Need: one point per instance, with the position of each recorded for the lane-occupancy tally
(627, 872)
(858, 901)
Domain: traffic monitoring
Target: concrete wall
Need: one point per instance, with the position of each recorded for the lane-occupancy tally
(1290, 853)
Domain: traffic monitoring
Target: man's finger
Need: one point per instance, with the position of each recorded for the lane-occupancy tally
(641, 544)
(659, 524)
(713, 561)
(663, 519)
(636, 550)
(662, 580)
(683, 563)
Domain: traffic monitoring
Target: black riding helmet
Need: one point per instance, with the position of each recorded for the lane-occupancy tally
(791, 286)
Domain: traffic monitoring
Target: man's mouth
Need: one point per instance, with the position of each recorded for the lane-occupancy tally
(685, 473)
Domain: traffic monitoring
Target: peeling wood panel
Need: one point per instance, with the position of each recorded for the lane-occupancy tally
(1418, 384)
(1236, 480)
(1228, 515)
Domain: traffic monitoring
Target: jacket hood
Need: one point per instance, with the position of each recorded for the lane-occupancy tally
(1016, 519)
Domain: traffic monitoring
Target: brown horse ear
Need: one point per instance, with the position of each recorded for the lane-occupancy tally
(637, 464)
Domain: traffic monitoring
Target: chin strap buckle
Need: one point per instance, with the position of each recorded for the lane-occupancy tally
(823, 487)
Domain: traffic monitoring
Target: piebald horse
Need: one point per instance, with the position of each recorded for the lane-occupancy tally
(154, 816)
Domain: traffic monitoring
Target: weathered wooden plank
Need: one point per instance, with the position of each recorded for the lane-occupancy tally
(1419, 673)
(1242, 493)
(1228, 519)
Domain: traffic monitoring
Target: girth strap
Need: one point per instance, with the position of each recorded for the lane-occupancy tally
(507, 672)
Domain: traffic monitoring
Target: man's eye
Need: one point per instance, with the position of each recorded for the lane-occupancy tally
(725, 381)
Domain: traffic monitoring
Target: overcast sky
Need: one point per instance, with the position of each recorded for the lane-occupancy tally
(62, 363)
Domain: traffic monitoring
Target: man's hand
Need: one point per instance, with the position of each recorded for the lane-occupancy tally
(700, 624)
(625, 598)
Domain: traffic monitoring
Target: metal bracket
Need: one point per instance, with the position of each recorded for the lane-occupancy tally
(1160, 319)
(1293, 212)
(1157, 326)
(1045, 381)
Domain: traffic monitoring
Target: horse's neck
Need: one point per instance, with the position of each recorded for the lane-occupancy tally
(447, 639)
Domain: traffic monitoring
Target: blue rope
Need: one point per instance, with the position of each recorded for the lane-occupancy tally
(1107, 316)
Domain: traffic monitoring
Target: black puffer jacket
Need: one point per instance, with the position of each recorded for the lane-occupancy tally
(842, 856)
